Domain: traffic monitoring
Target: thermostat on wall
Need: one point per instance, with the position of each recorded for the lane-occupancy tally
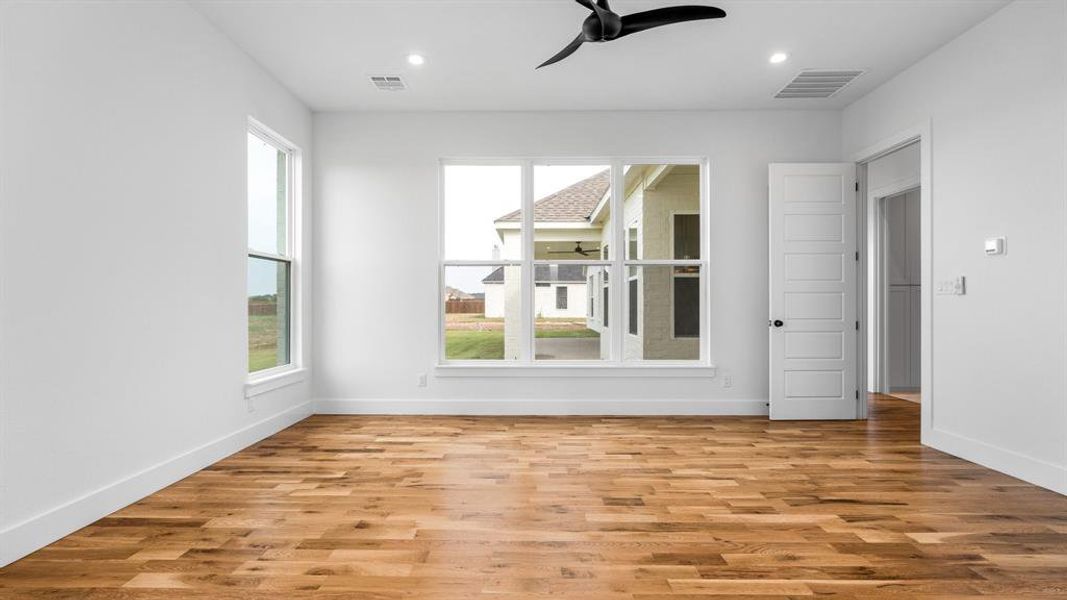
(994, 246)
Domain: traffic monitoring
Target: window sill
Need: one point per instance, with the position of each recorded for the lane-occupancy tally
(270, 382)
(578, 370)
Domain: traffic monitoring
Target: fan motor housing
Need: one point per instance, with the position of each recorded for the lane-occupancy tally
(599, 28)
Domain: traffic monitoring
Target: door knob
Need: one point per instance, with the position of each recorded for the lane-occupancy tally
(778, 323)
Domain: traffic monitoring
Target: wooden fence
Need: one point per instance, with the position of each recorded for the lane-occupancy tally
(455, 306)
(262, 308)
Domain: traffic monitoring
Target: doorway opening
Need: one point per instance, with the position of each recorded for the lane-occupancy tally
(894, 274)
(903, 312)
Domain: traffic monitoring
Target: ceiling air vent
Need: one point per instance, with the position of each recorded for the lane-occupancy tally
(817, 83)
(388, 83)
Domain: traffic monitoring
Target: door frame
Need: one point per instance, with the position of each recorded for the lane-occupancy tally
(867, 221)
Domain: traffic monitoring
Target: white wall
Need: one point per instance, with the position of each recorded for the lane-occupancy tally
(122, 232)
(995, 99)
(377, 181)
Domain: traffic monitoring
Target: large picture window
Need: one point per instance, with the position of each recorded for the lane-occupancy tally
(527, 272)
(270, 251)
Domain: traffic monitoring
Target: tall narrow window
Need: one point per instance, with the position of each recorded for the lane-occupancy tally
(482, 305)
(571, 222)
(664, 262)
(270, 256)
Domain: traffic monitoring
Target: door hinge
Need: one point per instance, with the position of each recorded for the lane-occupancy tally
(857, 255)
(857, 325)
(857, 186)
(857, 394)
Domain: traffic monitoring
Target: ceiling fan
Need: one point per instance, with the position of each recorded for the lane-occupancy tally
(604, 25)
(577, 250)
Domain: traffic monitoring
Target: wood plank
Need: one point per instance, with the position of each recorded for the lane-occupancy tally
(600, 508)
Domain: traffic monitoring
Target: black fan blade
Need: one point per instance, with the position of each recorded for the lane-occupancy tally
(667, 16)
(564, 53)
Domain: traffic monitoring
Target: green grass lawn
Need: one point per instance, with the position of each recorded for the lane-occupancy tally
(489, 344)
(474, 345)
(262, 342)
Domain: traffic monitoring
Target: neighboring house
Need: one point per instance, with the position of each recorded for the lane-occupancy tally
(559, 292)
(661, 209)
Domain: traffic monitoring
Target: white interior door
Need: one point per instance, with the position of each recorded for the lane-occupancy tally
(812, 321)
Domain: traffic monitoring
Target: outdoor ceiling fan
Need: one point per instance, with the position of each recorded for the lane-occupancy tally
(577, 250)
(604, 25)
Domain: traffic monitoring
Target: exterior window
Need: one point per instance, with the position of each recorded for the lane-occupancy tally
(605, 303)
(686, 281)
(527, 273)
(633, 306)
(592, 300)
(686, 304)
(270, 251)
(686, 236)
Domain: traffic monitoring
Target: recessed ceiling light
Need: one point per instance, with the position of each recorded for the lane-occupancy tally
(779, 57)
(416, 59)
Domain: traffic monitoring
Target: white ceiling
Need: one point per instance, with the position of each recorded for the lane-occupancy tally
(481, 54)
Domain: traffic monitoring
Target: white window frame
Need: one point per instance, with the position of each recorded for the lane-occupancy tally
(617, 267)
(590, 282)
(266, 380)
(635, 224)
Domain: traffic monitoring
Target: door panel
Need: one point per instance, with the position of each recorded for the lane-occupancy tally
(814, 267)
(813, 291)
(799, 344)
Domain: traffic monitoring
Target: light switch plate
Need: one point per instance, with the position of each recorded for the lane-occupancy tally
(951, 287)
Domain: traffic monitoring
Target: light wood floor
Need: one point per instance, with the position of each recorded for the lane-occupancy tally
(433, 508)
(915, 397)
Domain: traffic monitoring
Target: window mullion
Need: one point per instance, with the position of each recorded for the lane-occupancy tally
(526, 347)
(618, 259)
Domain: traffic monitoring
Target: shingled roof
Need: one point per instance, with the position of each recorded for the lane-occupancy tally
(545, 274)
(569, 205)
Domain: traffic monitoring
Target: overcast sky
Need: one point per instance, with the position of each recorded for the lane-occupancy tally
(475, 196)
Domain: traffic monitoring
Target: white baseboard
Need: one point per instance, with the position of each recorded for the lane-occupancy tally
(1030, 470)
(401, 406)
(43, 529)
